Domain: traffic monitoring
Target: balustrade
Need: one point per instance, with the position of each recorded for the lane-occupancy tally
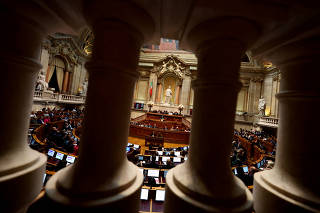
(56, 97)
(268, 121)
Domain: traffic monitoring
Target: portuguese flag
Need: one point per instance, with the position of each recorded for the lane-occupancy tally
(150, 91)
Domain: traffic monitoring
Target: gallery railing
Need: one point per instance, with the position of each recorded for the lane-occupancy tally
(268, 121)
(56, 97)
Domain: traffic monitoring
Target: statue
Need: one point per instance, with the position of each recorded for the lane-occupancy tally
(41, 84)
(171, 66)
(83, 89)
(168, 95)
(262, 106)
(163, 68)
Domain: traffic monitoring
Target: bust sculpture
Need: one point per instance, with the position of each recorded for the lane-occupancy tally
(262, 106)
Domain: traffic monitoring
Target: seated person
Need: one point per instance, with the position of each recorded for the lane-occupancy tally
(151, 182)
(140, 164)
(169, 164)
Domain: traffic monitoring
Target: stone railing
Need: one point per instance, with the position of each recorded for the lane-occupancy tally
(56, 97)
(268, 121)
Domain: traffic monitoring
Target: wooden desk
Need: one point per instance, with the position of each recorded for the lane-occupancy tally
(154, 141)
(169, 136)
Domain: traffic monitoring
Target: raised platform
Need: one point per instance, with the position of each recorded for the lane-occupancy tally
(173, 128)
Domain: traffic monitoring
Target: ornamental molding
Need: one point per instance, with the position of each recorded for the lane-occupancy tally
(144, 72)
(245, 82)
(63, 48)
(256, 79)
(66, 47)
(276, 76)
(171, 64)
(252, 69)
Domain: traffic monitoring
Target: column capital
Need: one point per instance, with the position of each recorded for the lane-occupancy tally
(297, 60)
(229, 28)
(295, 51)
(122, 11)
(27, 36)
(256, 79)
(128, 38)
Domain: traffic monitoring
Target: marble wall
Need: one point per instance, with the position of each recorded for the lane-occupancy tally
(142, 90)
(242, 100)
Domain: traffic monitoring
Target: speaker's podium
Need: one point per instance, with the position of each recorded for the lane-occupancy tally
(154, 141)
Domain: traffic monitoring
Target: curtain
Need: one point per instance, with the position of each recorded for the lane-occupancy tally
(50, 72)
(59, 65)
(60, 74)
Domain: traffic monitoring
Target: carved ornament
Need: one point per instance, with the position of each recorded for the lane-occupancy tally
(63, 48)
(256, 79)
(171, 64)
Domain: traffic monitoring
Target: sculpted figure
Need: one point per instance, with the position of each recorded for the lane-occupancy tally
(262, 106)
(41, 84)
(168, 95)
(163, 67)
(83, 89)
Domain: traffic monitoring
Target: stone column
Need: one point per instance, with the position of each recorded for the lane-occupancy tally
(277, 102)
(185, 92)
(153, 79)
(293, 184)
(277, 85)
(177, 93)
(254, 94)
(103, 180)
(251, 96)
(159, 91)
(65, 81)
(44, 59)
(21, 168)
(267, 93)
(273, 97)
(205, 182)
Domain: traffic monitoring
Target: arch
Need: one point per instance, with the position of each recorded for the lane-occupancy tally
(245, 58)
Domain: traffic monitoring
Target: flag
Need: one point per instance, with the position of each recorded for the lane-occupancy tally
(150, 92)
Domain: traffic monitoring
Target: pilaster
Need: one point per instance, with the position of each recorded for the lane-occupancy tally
(185, 92)
(152, 79)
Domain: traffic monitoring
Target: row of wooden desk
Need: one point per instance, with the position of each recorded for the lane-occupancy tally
(168, 135)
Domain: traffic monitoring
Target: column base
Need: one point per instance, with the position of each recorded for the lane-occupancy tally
(20, 186)
(180, 199)
(274, 192)
(120, 199)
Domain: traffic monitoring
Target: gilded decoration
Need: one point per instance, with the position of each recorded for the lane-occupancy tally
(171, 64)
(63, 48)
(67, 48)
